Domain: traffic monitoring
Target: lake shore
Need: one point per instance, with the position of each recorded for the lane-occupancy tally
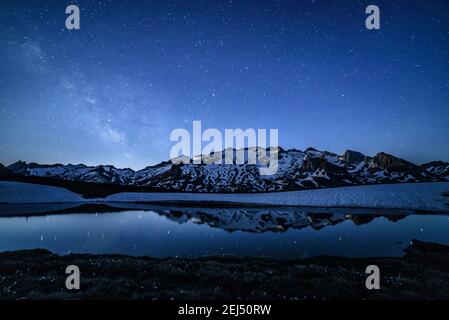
(422, 273)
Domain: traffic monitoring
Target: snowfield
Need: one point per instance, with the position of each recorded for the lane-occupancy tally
(415, 196)
(19, 192)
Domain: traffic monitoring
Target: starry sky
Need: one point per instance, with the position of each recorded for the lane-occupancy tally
(111, 92)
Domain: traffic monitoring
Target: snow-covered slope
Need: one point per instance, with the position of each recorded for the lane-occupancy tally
(78, 172)
(19, 192)
(438, 168)
(415, 196)
(297, 170)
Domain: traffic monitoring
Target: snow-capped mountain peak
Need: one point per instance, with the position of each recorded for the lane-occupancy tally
(238, 171)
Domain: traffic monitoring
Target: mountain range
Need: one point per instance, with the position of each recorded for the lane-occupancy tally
(297, 170)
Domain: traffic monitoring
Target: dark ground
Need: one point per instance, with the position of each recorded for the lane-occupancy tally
(423, 273)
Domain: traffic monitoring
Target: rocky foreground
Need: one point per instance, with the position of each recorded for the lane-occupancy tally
(423, 273)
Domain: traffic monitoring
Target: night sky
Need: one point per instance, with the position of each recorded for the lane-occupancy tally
(111, 92)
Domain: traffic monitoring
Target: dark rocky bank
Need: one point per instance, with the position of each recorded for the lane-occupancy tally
(423, 273)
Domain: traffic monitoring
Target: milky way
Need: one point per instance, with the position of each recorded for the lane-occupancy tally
(112, 91)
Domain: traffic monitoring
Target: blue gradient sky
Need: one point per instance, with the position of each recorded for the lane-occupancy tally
(111, 92)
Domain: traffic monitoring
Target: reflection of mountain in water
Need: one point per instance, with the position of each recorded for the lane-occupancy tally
(262, 220)
(250, 219)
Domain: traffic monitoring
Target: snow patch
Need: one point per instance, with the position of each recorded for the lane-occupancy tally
(415, 196)
(19, 192)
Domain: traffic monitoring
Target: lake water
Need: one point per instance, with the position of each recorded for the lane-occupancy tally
(192, 232)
